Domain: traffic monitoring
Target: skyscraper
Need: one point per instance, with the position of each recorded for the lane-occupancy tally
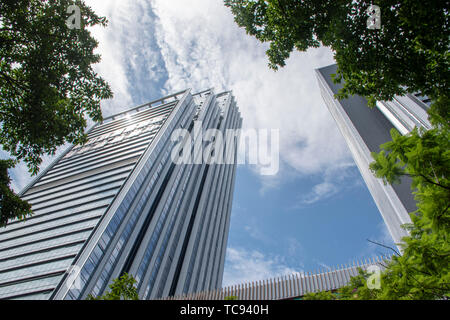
(364, 130)
(120, 203)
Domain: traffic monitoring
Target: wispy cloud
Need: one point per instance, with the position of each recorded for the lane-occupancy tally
(131, 62)
(242, 266)
(131, 59)
(336, 178)
(151, 48)
(324, 266)
(295, 248)
(202, 47)
(320, 191)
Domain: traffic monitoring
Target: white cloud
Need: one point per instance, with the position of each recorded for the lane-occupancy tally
(130, 57)
(196, 44)
(203, 47)
(242, 266)
(130, 62)
(336, 178)
(320, 191)
(112, 48)
(295, 248)
(324, 266)
(255, 233)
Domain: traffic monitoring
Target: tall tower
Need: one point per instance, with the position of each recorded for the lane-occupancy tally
(365, 129)
(120, 203)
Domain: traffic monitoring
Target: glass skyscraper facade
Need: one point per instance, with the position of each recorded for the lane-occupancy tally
(365, 129)
(120, 204)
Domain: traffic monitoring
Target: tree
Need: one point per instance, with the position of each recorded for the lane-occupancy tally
(48, 87)
(11, 206)
(121, 289)
(409, 53)
(422, 271)
(357, 289)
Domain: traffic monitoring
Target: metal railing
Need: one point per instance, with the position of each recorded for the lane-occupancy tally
(290, 286)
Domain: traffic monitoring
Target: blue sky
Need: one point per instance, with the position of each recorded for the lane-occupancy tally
(316, 212)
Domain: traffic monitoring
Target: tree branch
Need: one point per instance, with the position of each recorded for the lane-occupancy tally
(427, 180)
(395, 251)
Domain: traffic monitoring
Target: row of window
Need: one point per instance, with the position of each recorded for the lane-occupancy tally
(192, 262)
(34, 258)
(104, 147)
(153, 113)
(101, 283)
(46, 283)
(90, 166)
(82, 183)
(224, 183)
(37, 270)
(163, 160)
(105, 196)
(54, 253)
(156, 232)
(47, 234)
(113, 226)
(175, 243)
(115, 182)
(102, 156)
(163, 248)
(90, 195)
(35, 296)
(66, 239)
(38, 219)
(132, 129)
(203, 230)
(126, 145)
(60, 221)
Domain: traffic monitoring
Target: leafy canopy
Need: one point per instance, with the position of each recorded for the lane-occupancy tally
(122, 288)
(410, 53)
(11, 206)
(48, 87)
(423, 269)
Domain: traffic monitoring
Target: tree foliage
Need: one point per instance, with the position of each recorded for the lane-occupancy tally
(122, 288)
(410, 53)
(48, 87)
(11, 206)
(356, 289)
(422, 271)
